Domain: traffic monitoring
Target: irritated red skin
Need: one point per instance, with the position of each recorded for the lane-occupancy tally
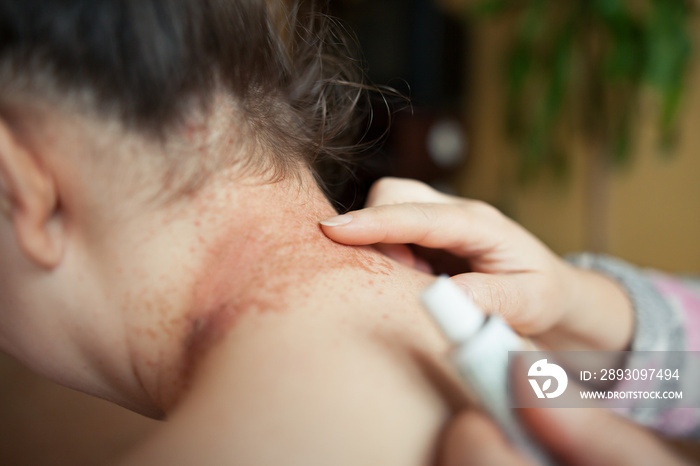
(252, 266)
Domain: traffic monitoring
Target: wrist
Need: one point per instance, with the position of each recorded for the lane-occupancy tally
(600, 316)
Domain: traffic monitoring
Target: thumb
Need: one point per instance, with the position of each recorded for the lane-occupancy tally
(473, 439)
(508, 296)
(595, 436)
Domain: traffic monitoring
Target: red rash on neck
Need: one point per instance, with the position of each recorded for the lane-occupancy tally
(256, 264)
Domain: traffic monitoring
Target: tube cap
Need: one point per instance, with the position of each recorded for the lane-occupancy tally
(454, 312)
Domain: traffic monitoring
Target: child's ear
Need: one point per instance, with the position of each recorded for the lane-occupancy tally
(28, 198)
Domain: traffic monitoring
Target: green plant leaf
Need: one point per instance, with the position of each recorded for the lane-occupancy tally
(591, 56)
(609, 9)
(491, 8)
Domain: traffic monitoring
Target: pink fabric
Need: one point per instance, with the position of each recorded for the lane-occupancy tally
(678, 422)
(688, 301)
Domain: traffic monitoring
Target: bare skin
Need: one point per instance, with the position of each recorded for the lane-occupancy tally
(512, 273)
(302, 351)
(574, 436)
(226, 311)
(542, 296)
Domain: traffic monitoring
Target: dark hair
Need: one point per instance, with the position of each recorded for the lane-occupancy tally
(149, 62)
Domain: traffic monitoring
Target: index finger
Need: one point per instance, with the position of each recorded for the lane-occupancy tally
(465, 228)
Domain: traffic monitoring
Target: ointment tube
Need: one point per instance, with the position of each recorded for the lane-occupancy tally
(480, 354)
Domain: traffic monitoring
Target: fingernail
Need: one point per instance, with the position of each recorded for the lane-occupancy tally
(337, 221)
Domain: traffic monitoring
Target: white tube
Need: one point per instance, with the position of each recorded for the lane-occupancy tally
(481, 356)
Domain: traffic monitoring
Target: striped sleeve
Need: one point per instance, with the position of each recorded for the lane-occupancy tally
(667, 318)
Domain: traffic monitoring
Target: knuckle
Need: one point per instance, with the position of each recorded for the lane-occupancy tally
(389, 190)
(425, 215)
(484, 209)
(380, 190)
(504, 299)
(488, 216)
(498, 301)
(383, 183)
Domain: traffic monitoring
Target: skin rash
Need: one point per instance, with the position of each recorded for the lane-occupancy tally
(255, 262)
(230, 312)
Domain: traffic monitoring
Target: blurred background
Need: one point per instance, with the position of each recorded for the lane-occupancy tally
(580, 119)
(577, 118)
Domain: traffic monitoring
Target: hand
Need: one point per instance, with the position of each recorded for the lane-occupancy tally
(512, 273)
(580, 436)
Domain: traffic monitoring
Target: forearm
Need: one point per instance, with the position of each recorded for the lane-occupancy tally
(596, 313)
